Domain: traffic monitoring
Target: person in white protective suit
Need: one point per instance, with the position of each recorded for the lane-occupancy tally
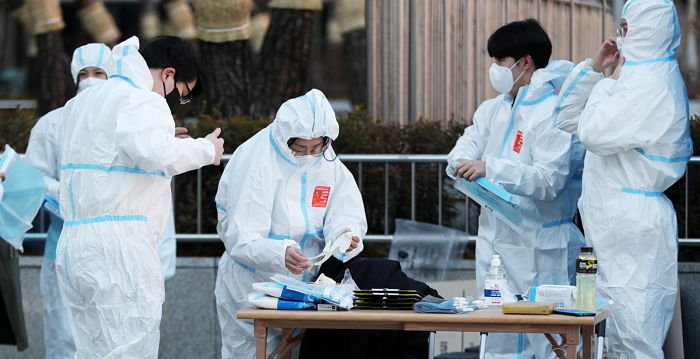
(513, 142)
(635, 127)
(117, 157)
(282, 195)
(88, 67)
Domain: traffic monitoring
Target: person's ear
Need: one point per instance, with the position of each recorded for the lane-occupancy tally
(167, 73)
(527, 62)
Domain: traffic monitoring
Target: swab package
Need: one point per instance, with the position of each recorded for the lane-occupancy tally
(339, 295)
(267, 302)
(278, 290)
(287, 293)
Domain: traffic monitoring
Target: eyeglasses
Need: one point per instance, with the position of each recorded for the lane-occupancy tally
(316, 151)
(187, 98)
(621, 30)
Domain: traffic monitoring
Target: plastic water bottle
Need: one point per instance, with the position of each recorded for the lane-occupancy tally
(586, 270)
(495, 282)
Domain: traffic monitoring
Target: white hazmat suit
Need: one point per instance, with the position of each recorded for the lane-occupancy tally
(117, 158)
(636, 132)
(268, 201)
(43, 152)
(540, 166)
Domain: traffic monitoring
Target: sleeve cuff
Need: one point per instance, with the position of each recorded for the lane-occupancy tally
(209, 149)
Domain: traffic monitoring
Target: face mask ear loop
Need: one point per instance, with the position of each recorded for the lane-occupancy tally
(521, 73)
(510, 68)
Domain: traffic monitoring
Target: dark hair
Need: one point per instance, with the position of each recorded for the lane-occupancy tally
(291, 140)
(326, 143)
(171, 51)
(521, 38)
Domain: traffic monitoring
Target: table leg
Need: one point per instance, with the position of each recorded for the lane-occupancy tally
(287, 336)
(557, 348)
(431, 345)
(482, 345)
(587, 342)
(600, 339)
(260, 331)
(572, 337)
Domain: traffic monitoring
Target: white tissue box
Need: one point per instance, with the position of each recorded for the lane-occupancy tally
(563, 296)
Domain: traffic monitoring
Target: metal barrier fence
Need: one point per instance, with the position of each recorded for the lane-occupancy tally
(360, 160)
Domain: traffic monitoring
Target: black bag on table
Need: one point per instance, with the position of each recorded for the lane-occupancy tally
(368, 273)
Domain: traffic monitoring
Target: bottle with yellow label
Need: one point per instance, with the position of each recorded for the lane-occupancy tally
(586, 270)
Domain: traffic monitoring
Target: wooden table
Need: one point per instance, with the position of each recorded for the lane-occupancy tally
(489, 320)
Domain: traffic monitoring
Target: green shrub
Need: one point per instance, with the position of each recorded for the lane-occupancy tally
(361, 134)
(15, 126)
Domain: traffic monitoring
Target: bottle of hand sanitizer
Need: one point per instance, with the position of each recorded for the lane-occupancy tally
(495, 282)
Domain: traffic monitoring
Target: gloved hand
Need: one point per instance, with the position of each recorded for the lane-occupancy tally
(606, 56)
(181, 132)
(218, 145)
(470, 169)
(295, 261)
(355, 241)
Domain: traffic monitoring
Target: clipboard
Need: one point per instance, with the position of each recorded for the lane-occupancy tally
(493, 197)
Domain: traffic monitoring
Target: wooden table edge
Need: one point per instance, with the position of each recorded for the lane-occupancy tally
(386, 316)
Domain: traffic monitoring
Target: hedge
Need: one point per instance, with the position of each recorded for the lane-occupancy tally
(360, 134)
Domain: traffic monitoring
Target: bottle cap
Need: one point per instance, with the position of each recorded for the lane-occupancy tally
(496, 260)
(587, 249)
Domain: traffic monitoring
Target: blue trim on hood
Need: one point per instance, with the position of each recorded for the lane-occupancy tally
(125, 79)
(313, 111)
(101, 56)
(80, 57)
(279, 151)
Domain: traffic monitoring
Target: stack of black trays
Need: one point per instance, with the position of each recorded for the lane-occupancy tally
(383, 298)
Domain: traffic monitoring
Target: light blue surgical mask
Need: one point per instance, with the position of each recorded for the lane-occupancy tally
(24, 192)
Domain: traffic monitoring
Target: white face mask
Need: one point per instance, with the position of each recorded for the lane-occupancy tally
(89, 82)
(304, 160)
(620, 41)
(502, 77)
